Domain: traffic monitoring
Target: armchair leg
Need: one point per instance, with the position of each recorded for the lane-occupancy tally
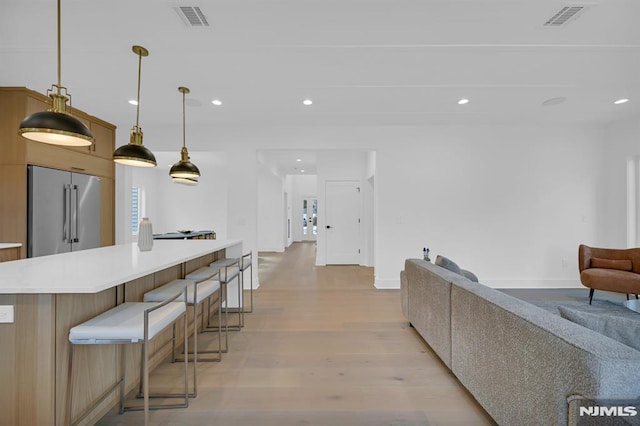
(591, 295)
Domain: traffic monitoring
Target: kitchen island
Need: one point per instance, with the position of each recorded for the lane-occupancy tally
(48, 295)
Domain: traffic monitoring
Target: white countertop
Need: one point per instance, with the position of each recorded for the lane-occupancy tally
(94, 270)
(9, 245)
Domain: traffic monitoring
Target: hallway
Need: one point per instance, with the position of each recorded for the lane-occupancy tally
(322, 347)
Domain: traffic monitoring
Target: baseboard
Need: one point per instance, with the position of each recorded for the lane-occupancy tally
(386, 284)
(276, 250)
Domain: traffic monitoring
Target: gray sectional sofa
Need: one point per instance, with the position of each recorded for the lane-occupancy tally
(523, 364)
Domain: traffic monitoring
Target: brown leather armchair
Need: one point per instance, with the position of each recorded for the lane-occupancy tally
(616, 270)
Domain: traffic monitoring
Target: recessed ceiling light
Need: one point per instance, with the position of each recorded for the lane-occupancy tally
(554, 101)
(621, 101)
(216, 102)
(301, 171)
(133, 102)
(463, 101)
(299, 160)
(307, 102)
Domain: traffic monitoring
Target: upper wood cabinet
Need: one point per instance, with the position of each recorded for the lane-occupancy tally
(16, 153)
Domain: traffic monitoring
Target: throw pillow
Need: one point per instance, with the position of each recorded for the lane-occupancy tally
(625, 329)
(621, 265)
(448, 264)
(470, 275)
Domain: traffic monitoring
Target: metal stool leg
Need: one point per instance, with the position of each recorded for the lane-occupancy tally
(218, 329)
(250, 269)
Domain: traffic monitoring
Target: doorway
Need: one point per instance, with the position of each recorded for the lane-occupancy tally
(309, 219)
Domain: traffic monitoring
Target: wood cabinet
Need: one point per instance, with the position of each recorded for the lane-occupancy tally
(9, 253)
(17, 152)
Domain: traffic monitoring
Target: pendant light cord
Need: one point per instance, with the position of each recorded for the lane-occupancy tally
(59, 86)
(184, 132)
(139, 74)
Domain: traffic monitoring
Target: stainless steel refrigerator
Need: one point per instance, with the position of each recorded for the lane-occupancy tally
(63, 211)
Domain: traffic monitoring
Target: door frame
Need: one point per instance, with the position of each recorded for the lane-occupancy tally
(358, 258)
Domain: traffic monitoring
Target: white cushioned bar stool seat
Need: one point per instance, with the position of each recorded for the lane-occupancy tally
(202, 274)
(131, 323)
(196, 293)
(125, 323)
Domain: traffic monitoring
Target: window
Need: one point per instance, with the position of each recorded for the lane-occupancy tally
(136, 213)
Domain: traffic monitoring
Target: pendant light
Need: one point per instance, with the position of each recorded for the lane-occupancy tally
(184, 169)
(185, 181)
(56, 126)
(135, 153)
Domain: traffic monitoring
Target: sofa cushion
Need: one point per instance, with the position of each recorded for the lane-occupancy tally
(619, 264)
(621, 326)
(448, 264)
(469, 275)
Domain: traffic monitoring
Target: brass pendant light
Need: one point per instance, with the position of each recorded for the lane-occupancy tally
(185, 181)
(184, 171)
(56, 126)
(135, 153)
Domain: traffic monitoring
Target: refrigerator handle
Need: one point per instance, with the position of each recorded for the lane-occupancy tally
(76, 236)
(66, 203)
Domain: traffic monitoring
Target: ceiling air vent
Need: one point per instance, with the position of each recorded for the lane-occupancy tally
(192, 16)
(564, 15)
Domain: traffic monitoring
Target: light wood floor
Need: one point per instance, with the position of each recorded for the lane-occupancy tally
(322, 347)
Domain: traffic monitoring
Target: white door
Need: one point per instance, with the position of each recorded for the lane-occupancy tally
(342, 224)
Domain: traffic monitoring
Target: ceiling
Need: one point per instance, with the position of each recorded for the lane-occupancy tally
(362, 62)
(290, 162)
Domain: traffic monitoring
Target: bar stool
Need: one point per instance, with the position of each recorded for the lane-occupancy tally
(229, 270)
(246, 262)
(203, 274)
(130, 323)
(196, 294)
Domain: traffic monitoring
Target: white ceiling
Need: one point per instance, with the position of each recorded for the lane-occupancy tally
(290, 162)
(362, 62)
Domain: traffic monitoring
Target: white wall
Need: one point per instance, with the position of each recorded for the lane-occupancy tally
(623, 142)
(338, 165)
(271, 211)
(172, 207)
(511, 204)
(123, 204)
(507, 202)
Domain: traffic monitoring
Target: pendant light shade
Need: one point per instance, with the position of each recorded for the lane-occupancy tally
(184, 169)
(135, 153)
(185, 181)
(56, 126)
